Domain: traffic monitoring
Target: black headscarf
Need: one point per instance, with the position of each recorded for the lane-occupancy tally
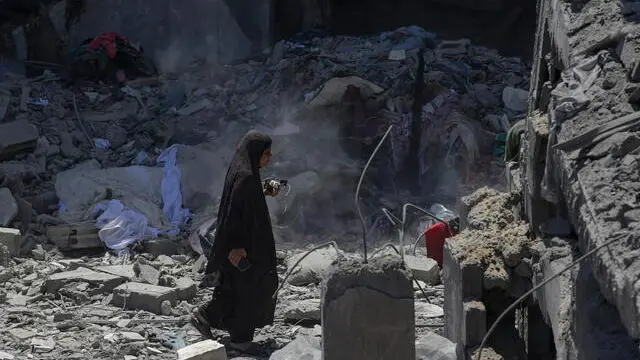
(242, 205)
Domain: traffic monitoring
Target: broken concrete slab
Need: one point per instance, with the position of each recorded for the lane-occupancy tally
(8, 207)
(12, 239)
(124, 271)
(17, 137)
(424, 269)
(74, 237)
(104, 282)
(303, 310)
(312, 268)
(187, 288)
(378, 297)
(203, 350)
(137, 296)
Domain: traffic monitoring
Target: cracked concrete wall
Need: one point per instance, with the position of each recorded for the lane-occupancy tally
(596, 188)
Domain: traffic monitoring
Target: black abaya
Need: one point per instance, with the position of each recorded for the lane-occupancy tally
(243, 300)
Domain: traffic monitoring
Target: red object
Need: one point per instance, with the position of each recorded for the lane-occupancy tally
(434, 238)
(108, 42)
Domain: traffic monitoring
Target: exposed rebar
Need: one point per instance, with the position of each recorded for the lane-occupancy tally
(357, 198)
(523, 297)
(290, 270)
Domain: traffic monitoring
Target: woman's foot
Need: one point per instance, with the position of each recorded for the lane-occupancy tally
(201, 324)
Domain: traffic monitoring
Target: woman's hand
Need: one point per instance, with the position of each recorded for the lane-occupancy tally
(236, 255)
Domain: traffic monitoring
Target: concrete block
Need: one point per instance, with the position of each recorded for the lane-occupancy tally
(424, 269)
(187, 288)
(368, 311)
(137, 296)
(8, 207)
(104, 283)
(12, 239)
(203, 350)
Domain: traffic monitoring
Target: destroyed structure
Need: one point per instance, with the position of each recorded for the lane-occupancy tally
(109, 184)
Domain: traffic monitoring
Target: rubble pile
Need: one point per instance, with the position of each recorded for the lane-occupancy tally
(138, 169)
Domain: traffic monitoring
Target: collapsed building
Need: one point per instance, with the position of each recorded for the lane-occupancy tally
(74, 171)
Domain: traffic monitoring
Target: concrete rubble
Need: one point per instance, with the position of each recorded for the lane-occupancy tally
(93, 148)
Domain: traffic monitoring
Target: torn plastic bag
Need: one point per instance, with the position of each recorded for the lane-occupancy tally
(121, 227)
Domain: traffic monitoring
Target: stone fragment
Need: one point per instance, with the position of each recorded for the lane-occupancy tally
(424, 269)
(8, 207)
(165, 308)
(203, 350)
(12, 239)
(312, 268)
(22, 334)
(433, 346)
(17, 137)
(146, 273)
(378, 298)
(496, 276)
(302, 347)
(137, 296)
(304, 310)
(515, 99)
(43, 345)
(187, 288)
(125, 271)
(129, 336)
(6, 356)
(104, 283)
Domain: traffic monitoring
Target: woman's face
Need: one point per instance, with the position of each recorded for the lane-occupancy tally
(264, 159)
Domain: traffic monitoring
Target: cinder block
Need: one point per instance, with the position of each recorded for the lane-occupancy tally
(137, 296)
(203, 350)
(368, 311)
(424, 269)
(12, 239)
(104, 283)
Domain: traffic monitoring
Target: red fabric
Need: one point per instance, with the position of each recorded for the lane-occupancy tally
(108, 41)
(434, 238)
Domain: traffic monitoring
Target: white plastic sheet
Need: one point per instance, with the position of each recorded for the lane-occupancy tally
(171, 193)
(121, 227)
